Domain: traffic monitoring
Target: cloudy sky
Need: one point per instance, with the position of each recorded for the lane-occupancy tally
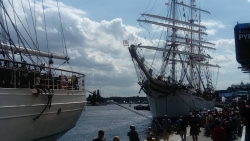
(94, 31)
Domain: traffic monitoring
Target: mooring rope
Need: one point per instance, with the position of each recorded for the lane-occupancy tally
(138, 113)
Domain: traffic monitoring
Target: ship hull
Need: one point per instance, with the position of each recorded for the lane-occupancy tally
(19, 108)
(177, 104)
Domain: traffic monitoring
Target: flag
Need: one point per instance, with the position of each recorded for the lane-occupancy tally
(166, 3)
(182, 2)
(125, 42)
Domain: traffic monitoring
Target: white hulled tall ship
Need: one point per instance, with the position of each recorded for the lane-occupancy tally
(173, 60)
(38, 100)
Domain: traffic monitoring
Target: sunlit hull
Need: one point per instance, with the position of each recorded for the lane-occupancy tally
(19, 107)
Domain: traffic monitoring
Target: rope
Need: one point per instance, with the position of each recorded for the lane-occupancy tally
(45, 27)
(15, 28)
(62, 33)
(19, 34)
(26, 18)
(48, 104)
(138, 113)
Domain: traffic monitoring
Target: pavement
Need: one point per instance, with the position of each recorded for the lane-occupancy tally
(201, 137)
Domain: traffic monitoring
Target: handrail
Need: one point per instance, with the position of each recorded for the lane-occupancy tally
(65, 79)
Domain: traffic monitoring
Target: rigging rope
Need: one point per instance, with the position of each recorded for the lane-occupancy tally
(32, 21)
(138, 113)
(48, 104)
(20, 35)
(45, 26)
(22, 59)
(15, 28)
(62, 33)
(37, 44)
(26, 17)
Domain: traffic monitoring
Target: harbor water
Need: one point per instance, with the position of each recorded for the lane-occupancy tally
(113, 119)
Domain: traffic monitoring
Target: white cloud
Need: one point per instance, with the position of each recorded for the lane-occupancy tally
(213, 24)
(226, 58)
(211, 31)
(224, 44)
(96, 49)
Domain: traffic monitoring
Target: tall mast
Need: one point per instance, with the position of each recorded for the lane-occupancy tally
(3, 34)
(199, 52)
(192, 51)
(174, 45)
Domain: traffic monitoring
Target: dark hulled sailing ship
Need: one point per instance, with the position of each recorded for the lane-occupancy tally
(174, 68)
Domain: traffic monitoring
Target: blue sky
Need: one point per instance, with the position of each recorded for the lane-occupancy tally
(95, 30)
(224, 16)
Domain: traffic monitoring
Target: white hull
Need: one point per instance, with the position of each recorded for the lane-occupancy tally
(19, 107)
(176, 105)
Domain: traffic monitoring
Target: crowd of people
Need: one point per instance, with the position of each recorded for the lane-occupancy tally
(220, 125)
(223, 125)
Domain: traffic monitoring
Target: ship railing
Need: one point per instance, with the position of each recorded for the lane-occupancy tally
(26, 75)
(70, 83)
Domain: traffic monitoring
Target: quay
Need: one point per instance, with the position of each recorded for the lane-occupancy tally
(201, 137)
(176, 137)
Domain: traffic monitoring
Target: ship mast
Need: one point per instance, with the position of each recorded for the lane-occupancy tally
(192, 50)
(174, 45)
(199, 52)
(3, 34)
(189, 55)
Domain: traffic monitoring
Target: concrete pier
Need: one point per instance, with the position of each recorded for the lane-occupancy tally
(201, 137)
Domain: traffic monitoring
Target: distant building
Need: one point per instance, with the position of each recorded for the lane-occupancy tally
(241, 85)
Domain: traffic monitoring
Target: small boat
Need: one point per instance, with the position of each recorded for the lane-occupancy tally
(142, 107)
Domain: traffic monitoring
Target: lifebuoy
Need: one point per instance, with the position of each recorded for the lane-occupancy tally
(64, 82)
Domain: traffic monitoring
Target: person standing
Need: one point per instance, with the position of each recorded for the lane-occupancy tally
(100, 136)
(229, 131)
(183, 129)
(219, 133)
(157, 130)
(194, 132)
(133, 135)
(178, 124)
(150, 133)
(166, 124)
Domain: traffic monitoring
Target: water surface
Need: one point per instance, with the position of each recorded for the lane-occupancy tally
(113, 119)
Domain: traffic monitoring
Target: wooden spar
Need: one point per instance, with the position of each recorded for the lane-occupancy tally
(25, 50)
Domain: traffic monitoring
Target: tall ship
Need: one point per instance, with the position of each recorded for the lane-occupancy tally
(173, 59)
(39, 98)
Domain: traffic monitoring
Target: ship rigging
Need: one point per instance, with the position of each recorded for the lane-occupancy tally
(181, 63)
